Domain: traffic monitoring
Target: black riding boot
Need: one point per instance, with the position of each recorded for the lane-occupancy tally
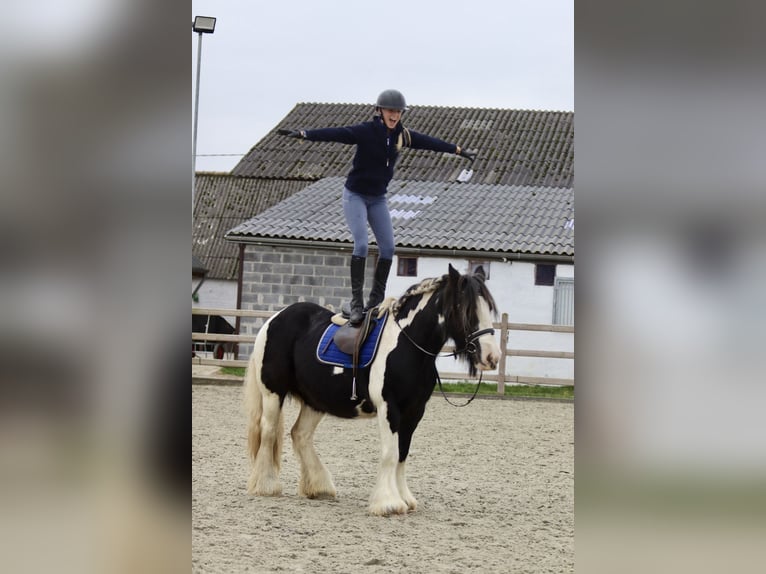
(378, 291)
(357, 288)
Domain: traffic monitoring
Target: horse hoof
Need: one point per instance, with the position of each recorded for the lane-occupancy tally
(388, 509)
(264, 488)
(321, 496)
(266, 492)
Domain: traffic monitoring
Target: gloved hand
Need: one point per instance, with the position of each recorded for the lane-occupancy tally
(292, 133)
(469, 154)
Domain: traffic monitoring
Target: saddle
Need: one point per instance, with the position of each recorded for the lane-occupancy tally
(351, 347)
(350, 339)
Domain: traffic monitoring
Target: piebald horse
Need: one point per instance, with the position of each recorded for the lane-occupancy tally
(394, 388)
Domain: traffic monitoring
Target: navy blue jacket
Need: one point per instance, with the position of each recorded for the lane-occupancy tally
(376, 151)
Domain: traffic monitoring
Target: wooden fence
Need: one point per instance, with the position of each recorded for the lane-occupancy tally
(500, 376)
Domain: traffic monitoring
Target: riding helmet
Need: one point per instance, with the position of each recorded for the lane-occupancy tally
(391, 100)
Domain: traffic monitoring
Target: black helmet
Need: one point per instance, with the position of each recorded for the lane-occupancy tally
(391, 100)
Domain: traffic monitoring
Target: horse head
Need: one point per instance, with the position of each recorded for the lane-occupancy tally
(469, 309)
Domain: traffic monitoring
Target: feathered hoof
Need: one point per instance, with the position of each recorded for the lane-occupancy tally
(319, 487)
(264, 487)
(388, 508)
(328, 495)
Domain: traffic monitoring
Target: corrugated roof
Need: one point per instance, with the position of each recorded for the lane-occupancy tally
(222, 201)
(197, 267)
(462, 216)
(515, 147)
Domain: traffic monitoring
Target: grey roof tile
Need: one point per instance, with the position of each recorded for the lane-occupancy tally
(495, 218)
(222, 201)
(515, 147)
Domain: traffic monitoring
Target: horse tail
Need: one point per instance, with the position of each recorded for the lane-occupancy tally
(253, 405)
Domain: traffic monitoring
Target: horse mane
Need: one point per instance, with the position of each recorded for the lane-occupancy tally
(431, 284)
(428, 285)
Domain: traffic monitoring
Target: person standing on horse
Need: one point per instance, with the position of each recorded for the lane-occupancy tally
(364, 198)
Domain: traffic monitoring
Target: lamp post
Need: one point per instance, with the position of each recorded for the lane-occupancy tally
(201, 25)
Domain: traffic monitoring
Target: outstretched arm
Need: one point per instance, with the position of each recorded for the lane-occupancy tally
(423, 141)
(341, 135)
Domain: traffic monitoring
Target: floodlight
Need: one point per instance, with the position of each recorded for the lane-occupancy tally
(203, 24)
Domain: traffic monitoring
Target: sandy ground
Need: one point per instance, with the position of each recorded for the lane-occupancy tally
(494, 483)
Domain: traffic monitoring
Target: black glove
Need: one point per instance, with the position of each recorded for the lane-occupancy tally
(292, 133)
(468, 154)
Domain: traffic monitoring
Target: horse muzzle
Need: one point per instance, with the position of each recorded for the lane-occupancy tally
(488, 363)
(485, 355)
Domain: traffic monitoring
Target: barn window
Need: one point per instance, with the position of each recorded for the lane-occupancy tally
(407, 267)
(545, 274)
(474, 265)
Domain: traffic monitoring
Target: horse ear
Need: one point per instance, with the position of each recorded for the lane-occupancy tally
(479, 271)
(454, 274)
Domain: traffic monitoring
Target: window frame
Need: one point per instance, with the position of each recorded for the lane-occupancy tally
(474, 263)
(541, 279)
(400, 261)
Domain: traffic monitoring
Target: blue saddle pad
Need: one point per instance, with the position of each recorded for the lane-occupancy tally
(329, 353)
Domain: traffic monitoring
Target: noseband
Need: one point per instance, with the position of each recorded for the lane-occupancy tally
(470, 345)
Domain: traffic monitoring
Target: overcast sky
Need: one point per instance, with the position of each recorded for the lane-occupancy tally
(265, 57)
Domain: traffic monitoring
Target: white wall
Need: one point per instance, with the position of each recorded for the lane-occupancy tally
(512, 284)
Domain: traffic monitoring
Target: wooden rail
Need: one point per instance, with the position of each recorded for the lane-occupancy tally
(501, 377)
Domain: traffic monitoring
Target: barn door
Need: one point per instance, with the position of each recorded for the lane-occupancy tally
(563, 301)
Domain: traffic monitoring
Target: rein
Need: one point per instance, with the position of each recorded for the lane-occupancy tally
(446, 398)
(470, 348)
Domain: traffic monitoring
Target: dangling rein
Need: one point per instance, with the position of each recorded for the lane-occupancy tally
(446, 398)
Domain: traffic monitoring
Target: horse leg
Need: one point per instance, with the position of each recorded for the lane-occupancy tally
(265, 431)
(315, 480)
(407, 426)
(404, 490)
(264, 478)
(405, 438)
(385, 498)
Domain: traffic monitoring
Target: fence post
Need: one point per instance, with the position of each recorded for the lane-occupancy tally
(503, 347)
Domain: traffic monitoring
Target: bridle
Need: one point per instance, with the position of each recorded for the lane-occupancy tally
(470, 345)
(470, 342)
(470, 348)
